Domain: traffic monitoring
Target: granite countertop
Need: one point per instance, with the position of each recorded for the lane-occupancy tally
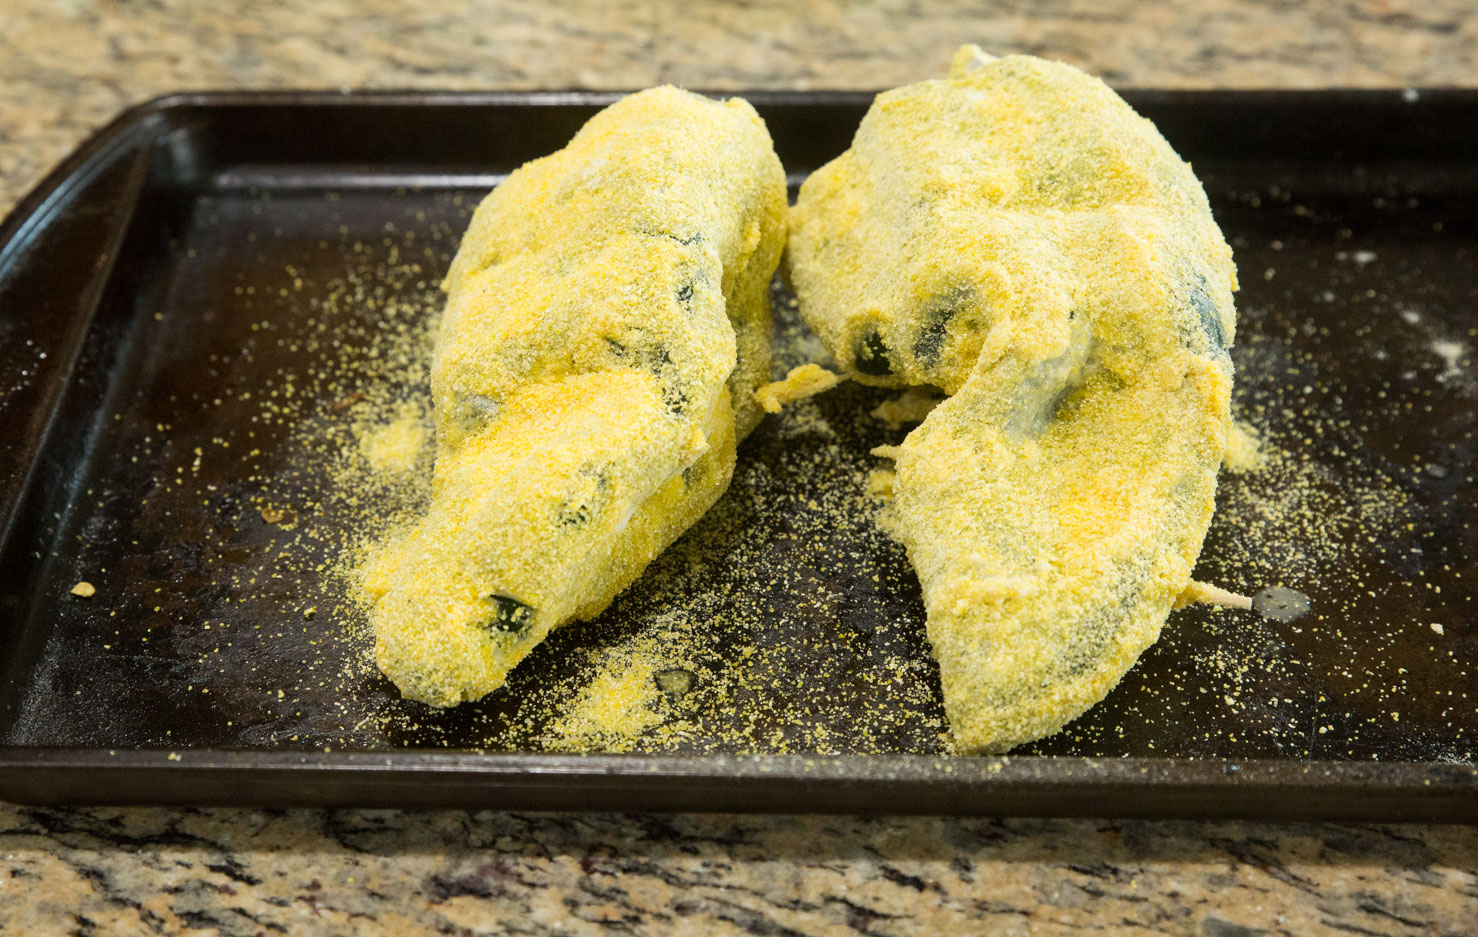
(66, 66)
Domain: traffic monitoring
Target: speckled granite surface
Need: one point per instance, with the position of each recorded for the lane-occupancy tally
(369, 872)
(66, 66)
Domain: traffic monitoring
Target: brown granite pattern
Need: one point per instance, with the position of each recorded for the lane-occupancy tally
(383, 872)
(66, 66)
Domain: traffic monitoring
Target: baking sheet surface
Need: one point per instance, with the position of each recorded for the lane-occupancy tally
(272, 328)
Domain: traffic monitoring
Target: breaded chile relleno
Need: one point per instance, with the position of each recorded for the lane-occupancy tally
(1016, 235)
(607, 323)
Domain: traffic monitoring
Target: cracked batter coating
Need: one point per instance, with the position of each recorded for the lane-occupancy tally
(607, 324)
(1017, 236)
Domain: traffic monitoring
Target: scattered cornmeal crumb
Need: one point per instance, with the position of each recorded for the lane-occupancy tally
(1244, 449)
(802, 382)
(281, 516)
(911, 406)
(394, 446)
(880, 483)
(887, 520)
(1438, 628)
(84, 589)
(622, 702)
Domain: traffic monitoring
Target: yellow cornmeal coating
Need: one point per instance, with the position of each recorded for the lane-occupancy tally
(1018, 236)
(588, 383)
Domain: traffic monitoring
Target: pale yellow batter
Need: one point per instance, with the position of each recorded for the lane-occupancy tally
(1017, 236)
(607, 325)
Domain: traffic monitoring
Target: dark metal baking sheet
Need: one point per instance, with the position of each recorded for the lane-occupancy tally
(133, 280)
